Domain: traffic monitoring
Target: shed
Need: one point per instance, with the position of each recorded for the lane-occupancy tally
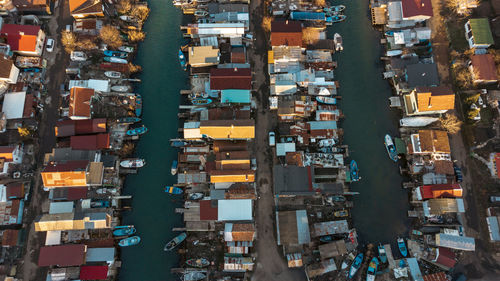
(53, 238)
(330, 227)
(333, 249)
(100, 255)
(292, 227)
(61, 207)
(235, 96)
(13, 105)
(64, 255)
(283, 148)
(235, 210)
(94, 272)
(455, 242)
(493, 228)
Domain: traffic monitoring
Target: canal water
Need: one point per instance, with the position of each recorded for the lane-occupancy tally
(153, 210)
(380, 211)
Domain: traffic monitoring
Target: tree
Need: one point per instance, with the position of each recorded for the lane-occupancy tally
(86, 44)
(450, 123)
(140, 12)
(136, 36)
(310, 35)
(24, 132)
(320, 3)
(461, 7)
(124, 6)
(471, 114)
(133, 68)
(472, 99)
(68, 39)
(127, 149)
(266, 23)
(463, 77)
(111, 36)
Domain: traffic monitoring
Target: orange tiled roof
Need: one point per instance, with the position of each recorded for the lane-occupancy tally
(21, 37)
(434, 141)
(79, 101)
(435, 98)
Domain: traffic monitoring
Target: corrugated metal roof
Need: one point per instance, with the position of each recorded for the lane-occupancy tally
(455, 242)
(331, 227)
(493, 228)
(283, 148)
(414, 269)
(322, 125)
(235, 96)
(53, 238)
(61, 207)
(235, 210)
(100, 254)
(303, 234)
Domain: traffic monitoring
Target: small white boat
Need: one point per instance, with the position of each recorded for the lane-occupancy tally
(133, 163)
(326, 143)
(201, 13)
(115, 60)
(126, 18)
(338, 42)
(113, 74)
(120, 88)
(127, 49)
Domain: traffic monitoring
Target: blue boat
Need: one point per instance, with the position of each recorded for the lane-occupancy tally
(116, 54)
(124, 230)
(173, 190)
(372, 270)
(137, 131)
(337, 18)
(201, 101)
(115, 60)
(356, 265)
(182, 60)
(173, 170)
(353, 167)
(312, 16)
(175, 242)
(138, 105)
(382, 255)
(391, 149)
(129, 241)
(402, 247)
(129, 120)
(327, 238)
(178, 143)
(326, 100)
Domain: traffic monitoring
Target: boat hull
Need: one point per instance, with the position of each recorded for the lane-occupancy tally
(130, 241)
(402, 247)
(173, 190)
(354, 171)
(391, 149)
(175, 242)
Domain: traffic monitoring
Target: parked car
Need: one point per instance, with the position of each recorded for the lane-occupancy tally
(458, 173)
(78, 56)
(50, 45)
(272, 139)
(495, 199)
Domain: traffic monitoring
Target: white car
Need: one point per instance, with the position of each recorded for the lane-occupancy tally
(50, 45)
(272, 139)
(78, 56)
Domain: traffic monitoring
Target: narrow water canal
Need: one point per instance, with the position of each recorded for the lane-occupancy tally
(380, 211)
(153, 210)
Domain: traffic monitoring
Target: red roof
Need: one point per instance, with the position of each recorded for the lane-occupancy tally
(76, 193)
(68, 128)
(90, 272)
(7, 149)
(441, 190)
(230, 78)
(484, 67)
(74, 165)
(79, 102)
(90, 142)
(412, 8)
(446, 257)
(63, 255)
(287, 33)
(28, 110)
(10, 237)
(21, 37)
(440, 276)
(15, 190)
(497, 163)
(207, 212)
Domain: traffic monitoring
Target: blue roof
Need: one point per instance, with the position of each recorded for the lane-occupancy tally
(100, 254)
(307, 16)
(414, 269)
(455, 242)
(323, 125)
(235, 96)
(303, 234)
(493, 227)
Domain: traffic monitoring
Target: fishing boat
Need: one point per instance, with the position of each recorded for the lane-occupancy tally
(391, 149)
(201, 101)
(137, 131)
(326, 238)
(128, 120)
(125, 230)
(173, 190)
(198, 262)
(196, 196)
(175, 242)
(182, 60)
(126, 18)
(129, 241)
(402, 247)
(126, 49)
(326, 100)
(193, 276)
(382, 255)
(200, 13)
(372, 269)
(337, 39)
(116, 54)
(120, 88)
(138, 105)
(334, 9)
(133, 163)
(347, 261)
(338, 18)
(354, 171)
(113, 74)
(115, 60)
(341, 213)
(336, 198)
(355, 265)
(173, 170)
(178, 143)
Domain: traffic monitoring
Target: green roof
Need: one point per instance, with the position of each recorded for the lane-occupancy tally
(235, 96)
(481, 31)
(400, 146)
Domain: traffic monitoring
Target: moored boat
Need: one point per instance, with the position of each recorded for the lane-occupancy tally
(326, 100)
(201, 101)
(196, 196)
(113, 74)
(133, 163)
(120, 88)
(175, 242)
(326, 238)
(193, 276)
(182, 60)
(372, 269)
(337, 39)
(124, 230)
(173, 170)
(115, 60)
(116, 54)
(128, 120)
(138, 105)
(382, 254)
(338, 18)
(178, 143)
(126, 18)
(402, 247)
(391, 149)
(347, 261)
(353, 167)
(126, 49)
(200, 13)
(137, 131)
(420, 121)
(173, 190)
(355, 265)
(129, 241)
(202, 262)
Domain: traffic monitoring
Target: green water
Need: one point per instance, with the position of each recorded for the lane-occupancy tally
(380, 211)
(153, 210)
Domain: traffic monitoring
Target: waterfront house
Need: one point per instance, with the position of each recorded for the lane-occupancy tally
(18, 105)
(80, 103)
(429, 100)
(63, 255)
(439, 191)
(441, 206)
(483, 69)
(493, 222)
(421, 75)
(456, 242)
(68, 193)
(90, 26)
(230, 78)
(26, 40)
(10, 238)
(288, 33)
(86, 8)
(429, 142)
(239, 232)
(235, 210)
(8, 71)
(12, 211)
(33, 7)
(72, 173)
(90, 142)
(292, 228)
(478, 33)
(232, 160)
(72, 221)
(67, 128)
(202, 56)
(416, 10)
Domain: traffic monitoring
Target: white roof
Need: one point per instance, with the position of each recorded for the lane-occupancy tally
(235, 210)
(423, 33)
(99, 85)
(283, 148)
(399, 37)
(395, 11)
(3, 193)
(53, 238)
(60, 207)
(13, 105)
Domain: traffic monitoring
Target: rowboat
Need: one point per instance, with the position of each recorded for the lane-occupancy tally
(182, 60)
(129, 241)
(175, 242)
(115, 60)
(391, 149)
(355, 265)
(382, 254)
(137, 131)
(347, 261)
(116, 54)
(127, 49)
(133, 163)
(372, 269)
(128, 120)
(173, 190)
(402, 247)
(201, 101)
(138, 105)
(126, 18)
(198, 262)
(196, 196)
(200, 13)
(326, 100)
(337, 39)
(173, 170)
(124, 230)
(113, 74)
(354, 171)
(193, 276)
